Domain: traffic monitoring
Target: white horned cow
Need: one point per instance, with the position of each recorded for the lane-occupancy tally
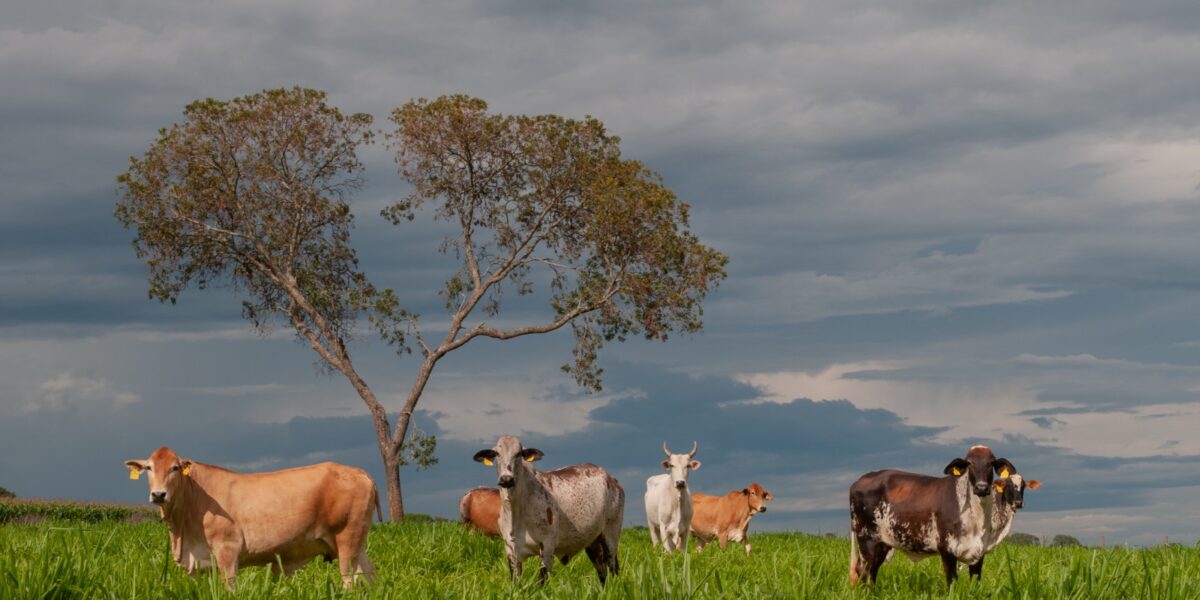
(282, 518)
(669, 501)
(555, 513)
(954, 517)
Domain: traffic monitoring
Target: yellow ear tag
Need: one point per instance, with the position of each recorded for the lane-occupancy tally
(999, 487)
(134, 474)
(956, 472)
(1004, 473)
(487, 462)
(531, 458)
(186, 470)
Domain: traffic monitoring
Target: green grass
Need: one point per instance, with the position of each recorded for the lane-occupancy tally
(441, 560)
(27, 510)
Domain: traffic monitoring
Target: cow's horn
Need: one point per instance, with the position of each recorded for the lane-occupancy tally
(665, 451)
(695, 447)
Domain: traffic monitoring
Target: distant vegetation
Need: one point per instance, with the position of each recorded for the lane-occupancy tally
(14, 510)
(4, 493)
(1065, 541)
(1023, 539)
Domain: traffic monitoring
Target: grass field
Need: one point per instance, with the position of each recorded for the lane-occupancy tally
(56, 559)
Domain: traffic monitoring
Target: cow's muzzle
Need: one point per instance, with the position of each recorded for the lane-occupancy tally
(1019, 504)
(680, 484)
(982, 488)
(762, 509)
(158, 497)
(506, 481)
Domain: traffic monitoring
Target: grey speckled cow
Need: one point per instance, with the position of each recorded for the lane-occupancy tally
(556, 513)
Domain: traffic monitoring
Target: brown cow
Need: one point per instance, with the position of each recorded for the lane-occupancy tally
(727, 517)
(279, 518)
(480, 510)
(953, 517)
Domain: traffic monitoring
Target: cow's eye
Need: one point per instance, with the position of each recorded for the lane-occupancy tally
(148, 468)
(175, 468)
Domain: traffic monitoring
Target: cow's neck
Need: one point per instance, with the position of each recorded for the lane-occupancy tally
(975, 512)
(523, 479)
(180, 514)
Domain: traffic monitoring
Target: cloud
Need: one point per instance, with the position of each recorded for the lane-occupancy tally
(66, 391)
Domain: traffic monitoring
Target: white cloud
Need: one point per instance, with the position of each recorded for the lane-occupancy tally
(66, 391)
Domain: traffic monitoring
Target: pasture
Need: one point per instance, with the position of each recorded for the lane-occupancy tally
(61, 559)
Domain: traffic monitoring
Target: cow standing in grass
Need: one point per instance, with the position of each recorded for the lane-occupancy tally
(283, 518)
(951, 517)
(669, 501)
(556, 513)
(1010, 497)
(727, 518)
(479, 509)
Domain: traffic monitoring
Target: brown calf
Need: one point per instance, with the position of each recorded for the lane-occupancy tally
(727, 517)
(282, 518)
(479, 509)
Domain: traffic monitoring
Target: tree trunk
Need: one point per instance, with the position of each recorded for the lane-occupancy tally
(395, 501)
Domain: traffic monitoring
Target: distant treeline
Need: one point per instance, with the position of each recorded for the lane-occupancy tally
(26, 510)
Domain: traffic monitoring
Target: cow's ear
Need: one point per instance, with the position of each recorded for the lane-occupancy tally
(745, 491)
(487, 457)
(957, 467)
(666, 464)
(136, 467)
(1033, 484)
(185, 467)
(767, 495)
(1003, 467)
(695, 464)
(531, 454)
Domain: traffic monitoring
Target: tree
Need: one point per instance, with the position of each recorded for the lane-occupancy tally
(1064, 540)
(4, 493)
(252, 192)
(1017, 538)
(545, 202)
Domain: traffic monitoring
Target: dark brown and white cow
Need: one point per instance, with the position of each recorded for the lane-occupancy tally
(479, 509)
(282, 518)
(556, 513)
(727, 518)
(952, 517)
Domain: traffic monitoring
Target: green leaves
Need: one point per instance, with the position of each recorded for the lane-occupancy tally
(545, 201)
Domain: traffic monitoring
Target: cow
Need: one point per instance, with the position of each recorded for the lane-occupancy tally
(282, 518)
(669, 501)
(555, 513)
(952, 517)
(1010, 497)
(479, 509)
(727, 517)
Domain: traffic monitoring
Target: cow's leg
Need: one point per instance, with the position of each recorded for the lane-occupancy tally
(598, 553)
(723, 539)
(365, 568)
(976, 570)
(683, 539)
(547, 562)
(351, 543)
(950, 566)
(700, 542)
(225, 554)
(654, 535)
(874, 554)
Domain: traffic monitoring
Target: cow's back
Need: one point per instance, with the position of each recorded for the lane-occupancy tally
(588, 499)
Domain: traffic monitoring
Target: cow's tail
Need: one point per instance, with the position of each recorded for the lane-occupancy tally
(378, 510)
(854, 558)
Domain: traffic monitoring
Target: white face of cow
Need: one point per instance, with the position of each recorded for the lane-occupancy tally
(166, 472)
(507, 456)
(680, 465)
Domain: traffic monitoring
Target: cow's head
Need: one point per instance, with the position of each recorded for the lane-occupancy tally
(507, 456)
(978, 467)
(166, 472)
(755, 496)
(680, 465)
(1010, 487)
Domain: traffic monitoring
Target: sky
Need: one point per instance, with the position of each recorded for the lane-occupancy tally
(948, 224)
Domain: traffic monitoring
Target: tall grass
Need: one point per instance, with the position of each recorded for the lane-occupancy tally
(442, 560)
